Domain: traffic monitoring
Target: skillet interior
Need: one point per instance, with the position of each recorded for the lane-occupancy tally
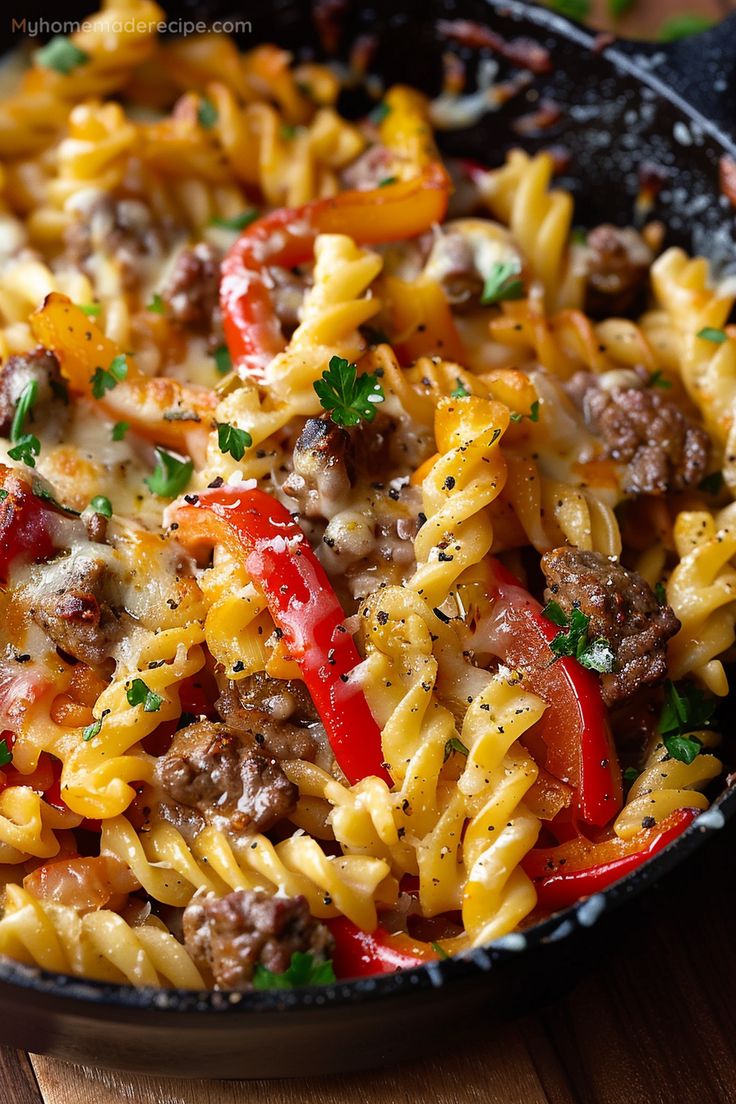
(614, 117)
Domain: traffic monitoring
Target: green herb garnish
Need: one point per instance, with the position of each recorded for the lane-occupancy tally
(92, 310)
(348, 397)
(533, 414)
(709, 333)
(500, 284)
(573, 9)
(104, 379)
(119, 430)
(206, 114)
(100, 504)
(28, 397)
(26, 450)
(682, 26)
(596, 655)
(140, 694)
(61, 55)
(3, 494)
(660, 593)
(304, 969)
(617, 8)
(379, 113)
(439, 950)
(170, 476)
(6, 755)
(91, 731)
(237, 222)
(223, 363)
(288, 131)
(630, 775)
(459, 392)
(233, 440)
(684, 711)
(454, 745)
(386, 181)
(658, 379)
(156, 306)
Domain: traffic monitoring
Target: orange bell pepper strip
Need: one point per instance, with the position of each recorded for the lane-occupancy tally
(286, 238)
(164, 410)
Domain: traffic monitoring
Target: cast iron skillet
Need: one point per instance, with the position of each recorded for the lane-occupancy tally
(627, 103)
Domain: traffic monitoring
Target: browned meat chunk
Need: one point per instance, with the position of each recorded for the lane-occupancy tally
(622, 609)
(123, 229)
(72, 608)
(209, 768)
(229, 936)
(664, 450)
(618, 262)
(260, 720)
(37, 366)
(192, 290)
(320, 481)
(281, 699)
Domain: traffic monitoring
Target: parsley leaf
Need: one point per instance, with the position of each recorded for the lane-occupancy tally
(233, 440)
(104, 379)
(439, 950)
(6, 755)
(3, 494)
(26, 450)
(658, 379)
(630, 775)
(660, 593)
(572, 640)
(139, 694)
(681, 26)
(206, 114)
(61, 55)
(170, 476)
(709, 333)
(579, 236)
(348, 397)
(92, 310)
(119, 430)
(379, 113)
(91, 731)
(454, 745)
(223, 363)
(533, 414)
(459, 392)
(100, 504)
(386, 181)
(237, 222)
(28, 397)
(499, 285)
(304, 969)
(711, 484)
(156, 306)
(683, 711)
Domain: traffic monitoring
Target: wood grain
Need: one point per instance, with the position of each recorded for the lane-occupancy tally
(17, 1081)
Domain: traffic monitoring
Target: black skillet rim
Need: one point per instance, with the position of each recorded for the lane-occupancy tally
(91, 994)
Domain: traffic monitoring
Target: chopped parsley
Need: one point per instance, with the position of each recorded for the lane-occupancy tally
(119, 430)
(683, 711)
(92, 310)
(502, 283)
(712, 484)
(223, 363)
(304, 969)
(26, 450)
(100, 504)
(61, 55)
(6, 755)
(348, 397)
(3, 494)
(386, 181)
(573, 9)
(206, 114)
(660, 593)
(379, 113)
(630, 775)
(709, 333)
(105, 379)
(454, 745)
(439, 950)
(140, 694)
(533, 414)
(459, 392)
(91, 731)
(617, 8)
(681, 26)
(579, 236)
(27, 399)
(237, 222)
(156, 305)
(658, 379)
(170, 475)
(233, 440)
(596, 655)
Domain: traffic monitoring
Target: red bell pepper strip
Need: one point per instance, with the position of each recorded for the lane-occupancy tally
(574, 726)
(286, 238)
(304, 607)
(563, 875)
(360, 954)
(25, 529)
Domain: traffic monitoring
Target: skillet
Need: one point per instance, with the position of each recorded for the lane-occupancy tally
(623, 104)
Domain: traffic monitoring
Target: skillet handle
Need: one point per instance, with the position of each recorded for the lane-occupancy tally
(701, 69)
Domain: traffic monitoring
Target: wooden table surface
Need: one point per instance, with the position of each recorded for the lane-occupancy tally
(655, 1023)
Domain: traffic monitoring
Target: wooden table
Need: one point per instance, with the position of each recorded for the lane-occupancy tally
(654, 1024)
